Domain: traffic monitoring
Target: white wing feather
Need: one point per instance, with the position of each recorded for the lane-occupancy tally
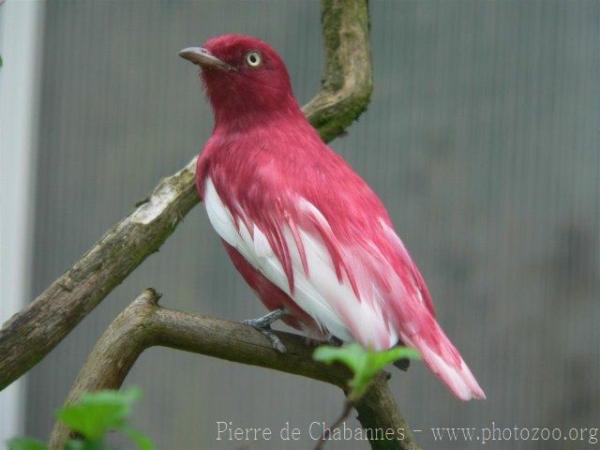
(330, 302)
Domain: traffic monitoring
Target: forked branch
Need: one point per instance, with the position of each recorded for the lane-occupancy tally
(145, 324)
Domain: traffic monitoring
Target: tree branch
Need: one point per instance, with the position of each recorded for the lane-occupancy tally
(348, 80)
(32, 333)
(144, 324)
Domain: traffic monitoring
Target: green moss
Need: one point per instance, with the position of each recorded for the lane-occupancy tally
(333, 121)
(348, 20)
(331, 20)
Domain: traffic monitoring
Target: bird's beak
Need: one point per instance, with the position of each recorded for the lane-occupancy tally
(204, 58)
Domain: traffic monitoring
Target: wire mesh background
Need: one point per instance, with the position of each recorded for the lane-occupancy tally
(481, 138)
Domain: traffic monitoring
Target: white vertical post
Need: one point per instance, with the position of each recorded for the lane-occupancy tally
(21, 24)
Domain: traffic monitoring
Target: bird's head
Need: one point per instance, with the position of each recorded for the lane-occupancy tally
(244, 78)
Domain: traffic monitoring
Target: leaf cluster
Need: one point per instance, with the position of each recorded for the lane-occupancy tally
(92, 417)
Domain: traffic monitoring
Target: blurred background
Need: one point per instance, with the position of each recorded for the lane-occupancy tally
(481, 138)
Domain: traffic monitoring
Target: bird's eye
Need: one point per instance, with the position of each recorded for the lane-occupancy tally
(253, 59)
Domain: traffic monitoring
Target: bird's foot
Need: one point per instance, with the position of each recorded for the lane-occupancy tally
(404, 363)
(336, 342)
(263, 324)
(266, 320)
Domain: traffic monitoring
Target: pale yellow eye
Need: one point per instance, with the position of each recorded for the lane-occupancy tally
(253, 59)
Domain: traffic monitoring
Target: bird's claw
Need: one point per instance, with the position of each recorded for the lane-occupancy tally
(334, 341)
(263, 325)
(274, 339)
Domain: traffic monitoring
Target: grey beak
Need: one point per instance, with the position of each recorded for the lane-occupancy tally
(203, 58)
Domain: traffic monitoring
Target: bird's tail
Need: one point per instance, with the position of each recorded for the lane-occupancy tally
(445, 361)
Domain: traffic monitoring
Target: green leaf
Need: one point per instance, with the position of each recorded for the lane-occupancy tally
(25, 443)
(95, 413)
(75, 444)
(79, 444)
(143, 442)
(365, 364)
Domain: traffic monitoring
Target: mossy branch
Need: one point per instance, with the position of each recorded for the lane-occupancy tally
(31, 334)
(348, 79)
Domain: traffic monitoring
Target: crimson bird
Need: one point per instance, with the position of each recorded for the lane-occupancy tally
(306, 232)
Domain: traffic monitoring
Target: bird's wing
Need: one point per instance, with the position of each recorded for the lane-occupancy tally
(349, 287)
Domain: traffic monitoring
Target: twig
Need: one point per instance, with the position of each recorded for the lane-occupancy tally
(32, 333)
(144, 324)
(327, 433)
